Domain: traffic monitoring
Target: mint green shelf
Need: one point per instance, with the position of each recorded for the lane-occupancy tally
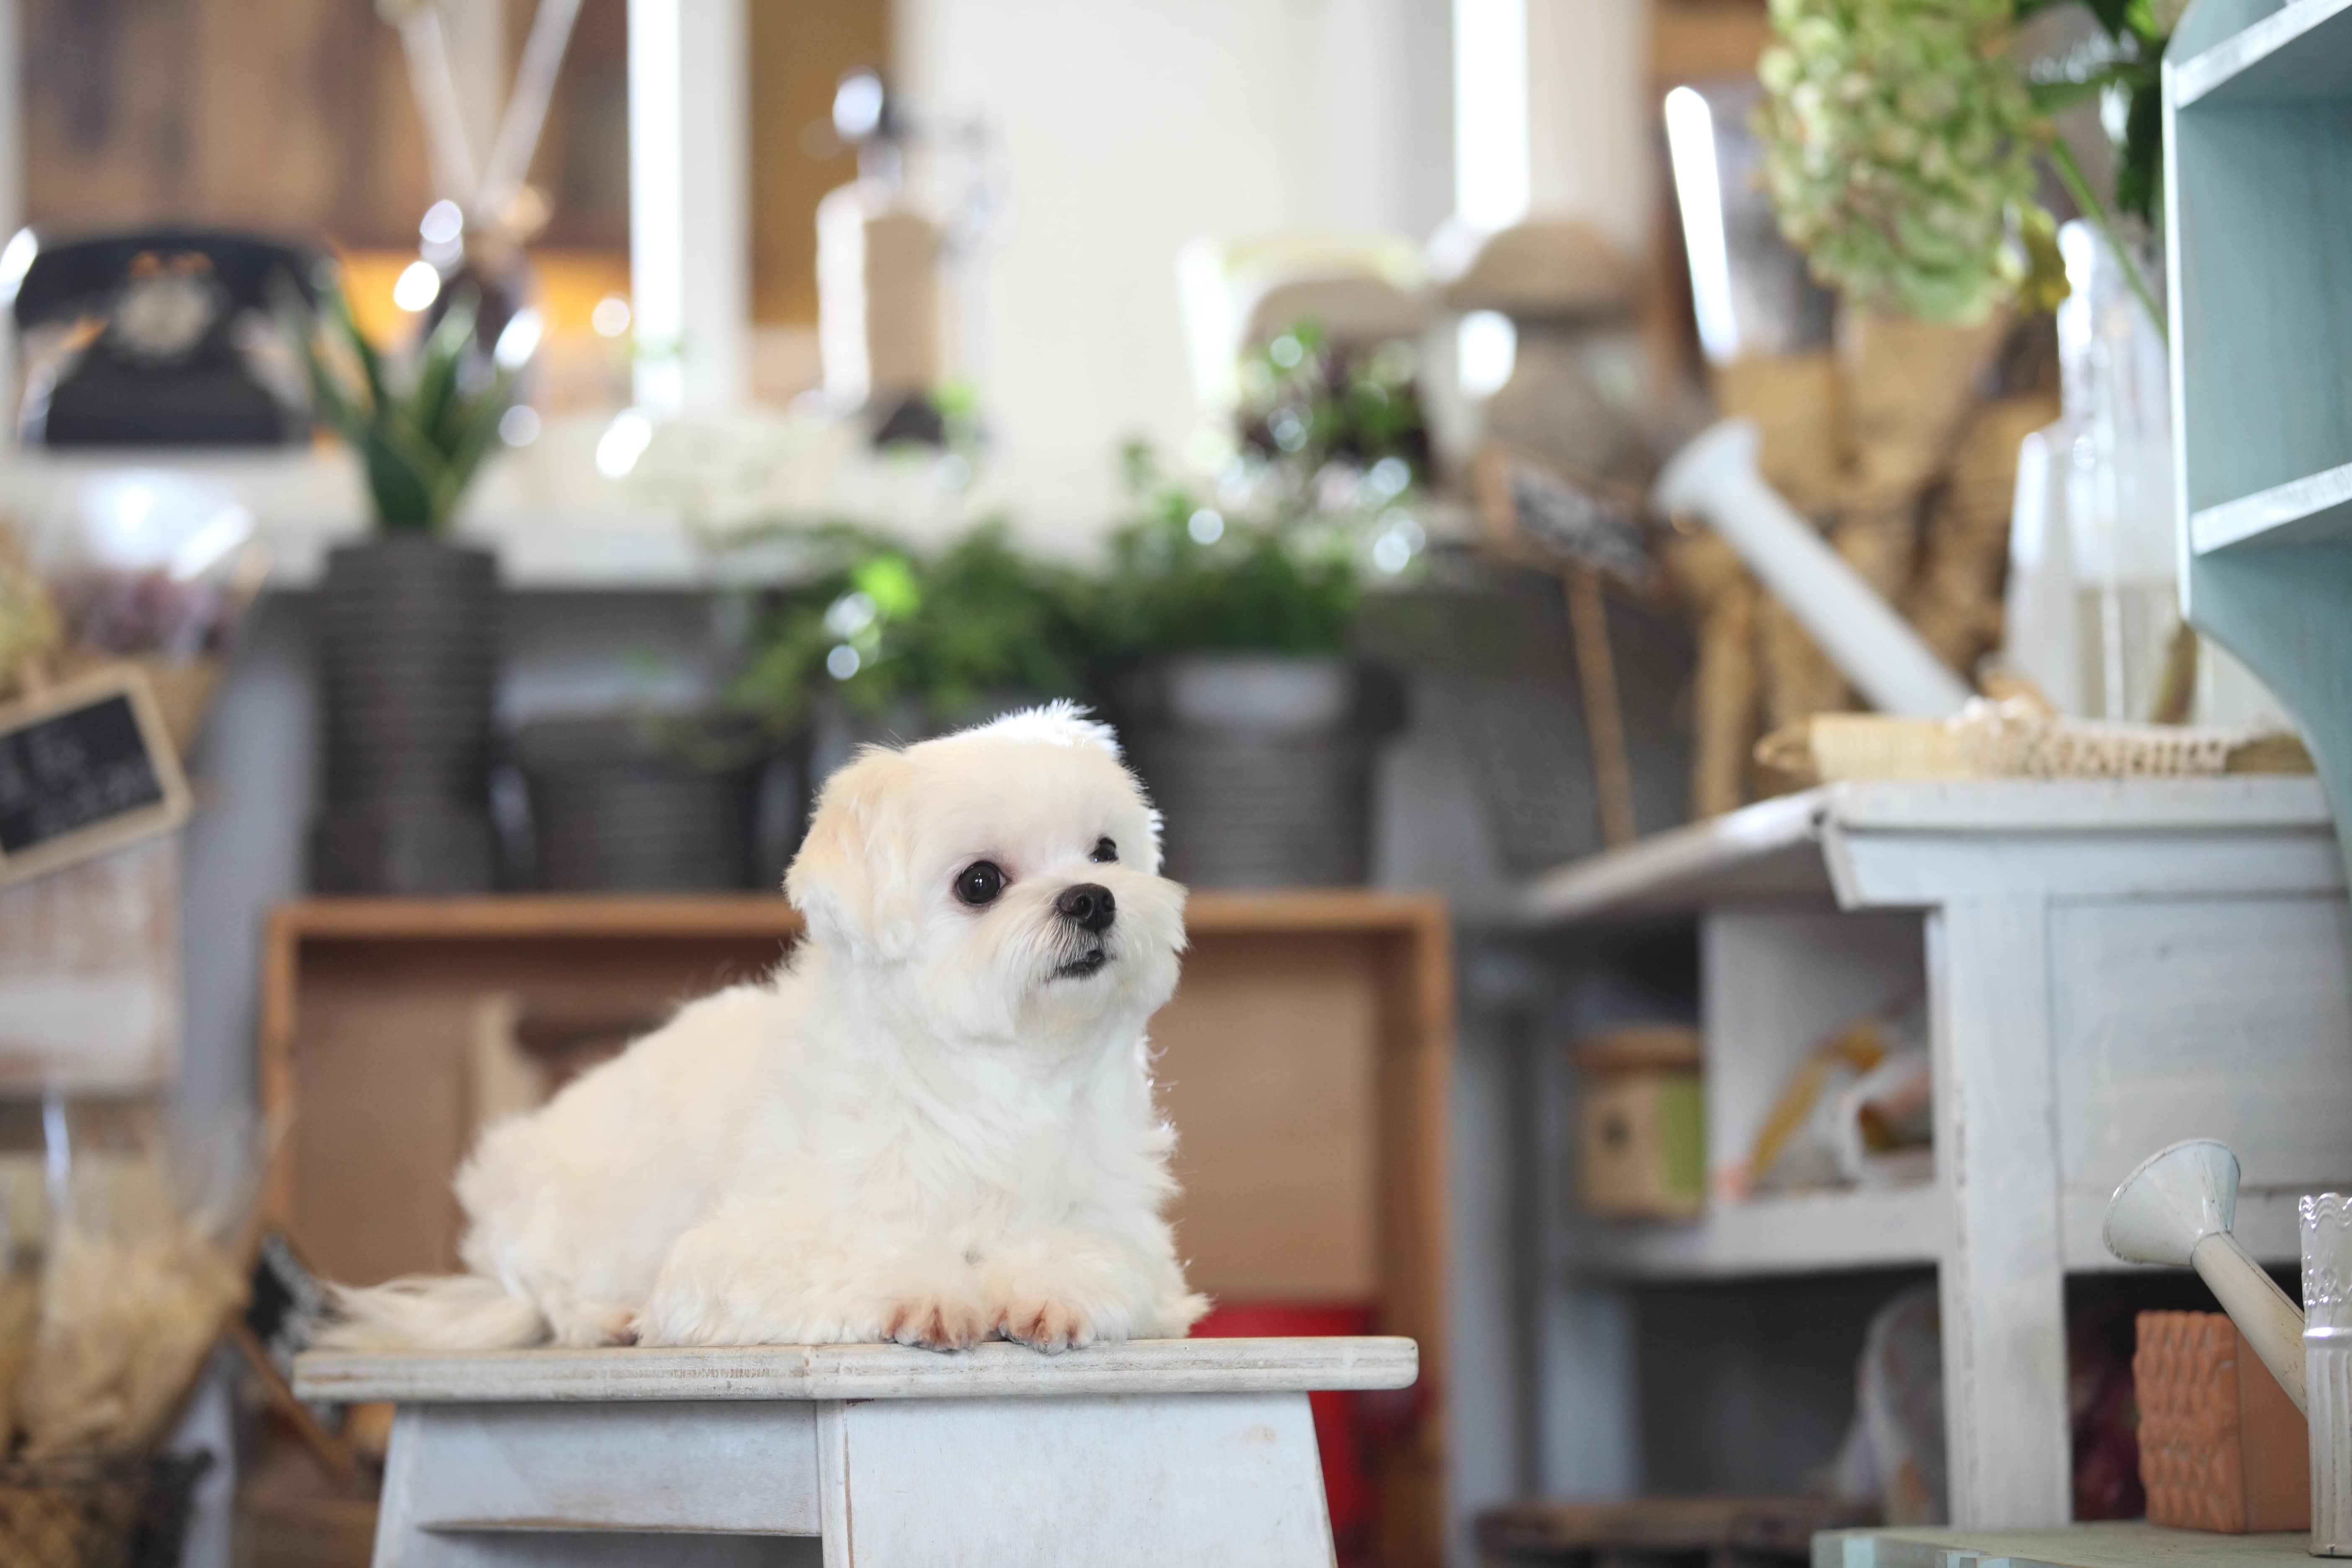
(2258, 135)
(2297, 53)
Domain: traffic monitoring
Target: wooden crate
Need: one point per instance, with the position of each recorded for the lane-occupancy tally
(1307, 1062)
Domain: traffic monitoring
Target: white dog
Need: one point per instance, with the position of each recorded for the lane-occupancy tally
(934, 1124)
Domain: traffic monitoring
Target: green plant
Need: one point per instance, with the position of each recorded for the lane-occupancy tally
(1185, 578)
(879, 623)
(1314, 505)
(1307, 403)
(1900, 142)
(421, 428)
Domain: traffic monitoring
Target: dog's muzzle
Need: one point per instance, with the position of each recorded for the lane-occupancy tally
(1088, 906)
(1091, 908)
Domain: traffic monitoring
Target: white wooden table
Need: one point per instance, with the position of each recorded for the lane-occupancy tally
(2108, 967)
(2128, 1543)
(1174, 1452)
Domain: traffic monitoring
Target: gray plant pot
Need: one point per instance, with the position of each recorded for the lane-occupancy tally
(1262, 765)
(407, 638)
(631, 804)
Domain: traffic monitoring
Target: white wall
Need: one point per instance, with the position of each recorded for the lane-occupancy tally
(1124, 127)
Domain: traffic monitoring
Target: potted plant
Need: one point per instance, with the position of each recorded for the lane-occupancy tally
(1225, 625)
(407, 620)
(911, 642)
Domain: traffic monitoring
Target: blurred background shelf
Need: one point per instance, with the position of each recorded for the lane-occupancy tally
(1799, 845)
(2104, 967)
(1777, 1234)
(1821, 1232)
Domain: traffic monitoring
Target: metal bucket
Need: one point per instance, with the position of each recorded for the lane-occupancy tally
(637, 803)
(1262, 765)
(407, 638)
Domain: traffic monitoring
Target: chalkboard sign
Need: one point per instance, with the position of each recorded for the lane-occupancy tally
(84, 767)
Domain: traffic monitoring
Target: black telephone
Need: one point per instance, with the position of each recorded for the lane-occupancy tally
(160, 338)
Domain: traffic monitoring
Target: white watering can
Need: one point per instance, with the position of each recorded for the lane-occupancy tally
(2177, 1208)
(1715, 478)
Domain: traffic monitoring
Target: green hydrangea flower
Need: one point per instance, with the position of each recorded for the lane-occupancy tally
(1899, 147)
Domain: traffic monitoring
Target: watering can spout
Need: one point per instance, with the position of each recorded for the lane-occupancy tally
(2176, 1208)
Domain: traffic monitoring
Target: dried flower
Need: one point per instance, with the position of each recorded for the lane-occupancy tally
(1899, 147)
(30, 629)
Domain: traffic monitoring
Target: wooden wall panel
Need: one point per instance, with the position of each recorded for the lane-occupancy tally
(1268, 1064)
(379, 1069)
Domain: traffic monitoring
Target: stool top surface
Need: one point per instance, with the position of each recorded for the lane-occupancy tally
(992, 1371)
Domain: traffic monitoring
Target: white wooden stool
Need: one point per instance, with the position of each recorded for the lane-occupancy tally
(1183, 1452)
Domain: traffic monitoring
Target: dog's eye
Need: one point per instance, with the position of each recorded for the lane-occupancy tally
(980, 882)
(1104, 850)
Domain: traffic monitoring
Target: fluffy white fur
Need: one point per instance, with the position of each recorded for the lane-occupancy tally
(925, 1127)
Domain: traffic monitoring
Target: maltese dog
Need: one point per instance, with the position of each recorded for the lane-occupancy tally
(933, 1124)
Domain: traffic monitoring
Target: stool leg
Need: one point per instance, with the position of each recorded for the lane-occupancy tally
(1136, 1480)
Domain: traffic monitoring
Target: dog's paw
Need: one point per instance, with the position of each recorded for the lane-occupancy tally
(588, 1324)
(1049, 1326)
(936, 1323)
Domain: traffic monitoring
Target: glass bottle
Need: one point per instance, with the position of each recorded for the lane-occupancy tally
(2327, 1367)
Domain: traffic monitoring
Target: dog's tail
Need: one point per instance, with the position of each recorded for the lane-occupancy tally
(433, 1311)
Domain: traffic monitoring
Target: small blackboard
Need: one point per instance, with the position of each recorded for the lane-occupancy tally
(84, 767)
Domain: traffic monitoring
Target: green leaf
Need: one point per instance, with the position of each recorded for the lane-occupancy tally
(472, 429)
(339, 312)
(440, 362)
(2113, 14)
(889, 581)
(2139, 163)
(402, 491)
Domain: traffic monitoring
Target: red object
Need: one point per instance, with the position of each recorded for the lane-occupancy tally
(1340, 1438)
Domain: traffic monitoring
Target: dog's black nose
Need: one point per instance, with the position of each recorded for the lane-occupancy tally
(1090, 904)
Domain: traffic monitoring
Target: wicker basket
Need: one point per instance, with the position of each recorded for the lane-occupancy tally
(125, 1511)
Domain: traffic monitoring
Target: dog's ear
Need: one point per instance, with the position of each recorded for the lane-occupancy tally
(850, 879)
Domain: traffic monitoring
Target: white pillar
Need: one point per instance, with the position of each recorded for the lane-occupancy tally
(1553, 116)
(1490, 112)
(1591, 118)
(690, 203)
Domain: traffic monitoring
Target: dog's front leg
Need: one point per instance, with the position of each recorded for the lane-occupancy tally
(754, 1277)
(1059, 1288)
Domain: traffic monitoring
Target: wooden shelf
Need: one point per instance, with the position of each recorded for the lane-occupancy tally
(2313, 510)
(2257, 65)
(623, 915)
(1791, 1233)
